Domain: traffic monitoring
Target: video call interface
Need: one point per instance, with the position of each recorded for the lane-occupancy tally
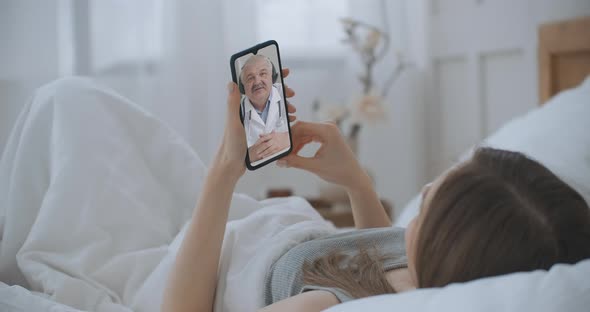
(262, 104)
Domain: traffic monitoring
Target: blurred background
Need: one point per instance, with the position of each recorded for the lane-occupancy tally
(445, 73)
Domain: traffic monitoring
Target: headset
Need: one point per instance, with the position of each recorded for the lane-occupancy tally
(274, 75)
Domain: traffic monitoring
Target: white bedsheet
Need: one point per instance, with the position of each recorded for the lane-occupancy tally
(93, 190)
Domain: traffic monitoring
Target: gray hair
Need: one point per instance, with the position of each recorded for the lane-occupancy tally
(255, 58)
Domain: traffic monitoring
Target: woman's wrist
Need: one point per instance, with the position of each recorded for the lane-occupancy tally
(227, 172)
(367, 209)
(361, 183)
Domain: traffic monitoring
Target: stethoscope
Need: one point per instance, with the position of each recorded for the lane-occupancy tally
(279, 123)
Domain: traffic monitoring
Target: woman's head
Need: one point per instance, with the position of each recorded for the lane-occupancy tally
(499, 212)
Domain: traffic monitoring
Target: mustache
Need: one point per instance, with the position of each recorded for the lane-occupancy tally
(261, 84)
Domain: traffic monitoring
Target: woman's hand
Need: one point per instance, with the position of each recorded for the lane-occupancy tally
(334, 161)
(231, 154)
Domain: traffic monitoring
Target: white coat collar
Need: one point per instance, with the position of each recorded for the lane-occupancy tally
(250, 111)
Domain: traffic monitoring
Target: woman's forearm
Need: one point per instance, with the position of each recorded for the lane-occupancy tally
(367, 210)
(192, 281)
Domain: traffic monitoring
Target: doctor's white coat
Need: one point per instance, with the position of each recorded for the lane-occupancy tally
(254, 124)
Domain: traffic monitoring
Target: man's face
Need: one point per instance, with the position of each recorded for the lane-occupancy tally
(257, 80)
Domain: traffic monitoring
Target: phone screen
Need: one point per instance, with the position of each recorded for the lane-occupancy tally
(257, 71)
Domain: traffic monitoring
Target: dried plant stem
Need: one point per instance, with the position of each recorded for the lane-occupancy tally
(392, 78)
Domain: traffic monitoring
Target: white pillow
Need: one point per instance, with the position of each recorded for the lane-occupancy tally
(563, 288)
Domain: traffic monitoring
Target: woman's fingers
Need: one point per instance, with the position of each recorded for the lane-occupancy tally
(302, 137)
(304, 133)
(233, 100)
(291, 108)
(299, 143)
(289, 92)
(296, 161)
(333, 161)
(319, 130)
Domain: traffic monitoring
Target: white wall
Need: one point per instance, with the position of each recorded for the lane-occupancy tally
(188, 89)
(197, 71)
(28, 55)
(483, 68)
(394, 151)
(475, 68)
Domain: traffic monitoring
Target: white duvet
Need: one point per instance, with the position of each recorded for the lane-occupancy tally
(94, 193)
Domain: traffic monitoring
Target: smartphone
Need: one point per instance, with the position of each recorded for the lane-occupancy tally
(263, 106)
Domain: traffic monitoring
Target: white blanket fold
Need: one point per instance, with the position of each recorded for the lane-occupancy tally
(93, 190)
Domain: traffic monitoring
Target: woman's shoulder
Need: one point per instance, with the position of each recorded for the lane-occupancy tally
(369, 232)
(355, 238)
(386, 240)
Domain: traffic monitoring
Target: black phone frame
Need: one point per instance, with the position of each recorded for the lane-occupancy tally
(254, 50)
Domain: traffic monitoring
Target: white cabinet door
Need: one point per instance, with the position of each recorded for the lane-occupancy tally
(483, 68)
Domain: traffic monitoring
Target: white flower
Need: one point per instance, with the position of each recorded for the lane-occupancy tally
(368, 108)
(337, 112)
(332, 112)
(372, 40)
(348, 22)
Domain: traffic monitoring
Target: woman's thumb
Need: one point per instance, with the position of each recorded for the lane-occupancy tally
(296, 161)
(233, 97)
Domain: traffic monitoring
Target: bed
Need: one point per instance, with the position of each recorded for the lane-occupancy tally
(141, 254)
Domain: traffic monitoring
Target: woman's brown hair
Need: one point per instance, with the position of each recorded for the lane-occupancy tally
(500, 212)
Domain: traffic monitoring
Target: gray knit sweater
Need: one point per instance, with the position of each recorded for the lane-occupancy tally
(285, 277)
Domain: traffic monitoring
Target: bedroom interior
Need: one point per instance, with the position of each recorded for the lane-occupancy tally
(507, 74)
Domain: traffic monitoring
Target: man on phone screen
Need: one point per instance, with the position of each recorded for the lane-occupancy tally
(263, 108)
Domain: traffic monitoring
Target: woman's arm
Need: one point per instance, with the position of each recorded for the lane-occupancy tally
(193, 279)
(367, 210)
(191, 285)
(336, 163)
